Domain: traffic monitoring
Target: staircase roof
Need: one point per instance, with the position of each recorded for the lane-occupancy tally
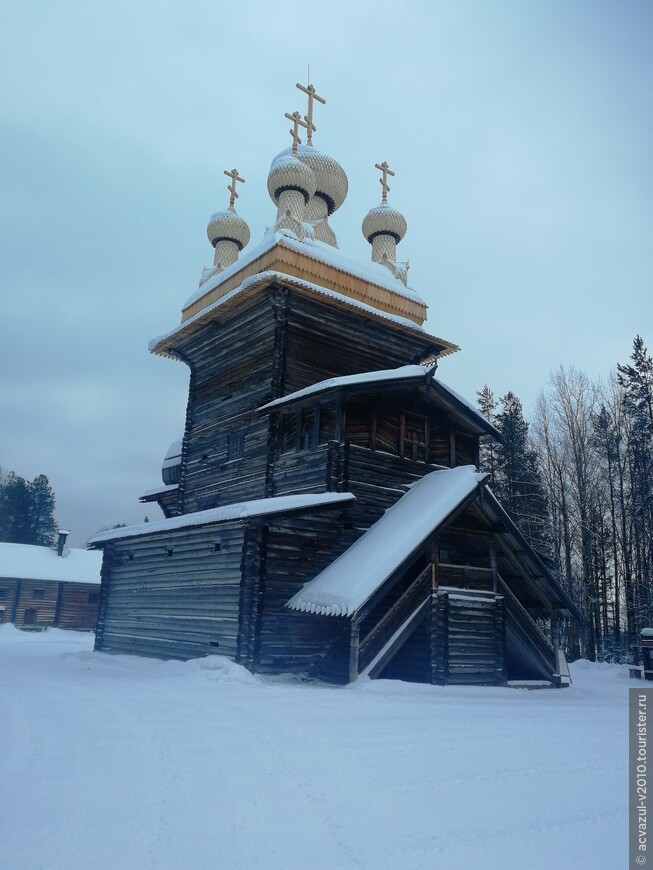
(347, 583)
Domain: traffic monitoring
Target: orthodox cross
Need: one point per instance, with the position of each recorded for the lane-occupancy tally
(233, 175)
(385, 169)
(311, 93)
(296, 118)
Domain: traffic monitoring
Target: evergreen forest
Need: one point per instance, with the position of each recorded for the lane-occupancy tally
(577, 478)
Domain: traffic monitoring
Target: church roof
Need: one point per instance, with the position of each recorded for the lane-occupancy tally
(370, 272)
(238, 511)
(28, 562)
(251, 284)
(391, 378)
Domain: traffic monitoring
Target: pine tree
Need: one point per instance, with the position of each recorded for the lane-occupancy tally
(517, 481)
(27, 510)
(14, 511)
(488, 447)
(636, 380)
(43, 527)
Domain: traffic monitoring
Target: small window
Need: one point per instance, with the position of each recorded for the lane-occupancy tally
(38, 593)
(415, 439)
(235, 445)
(170, 553)
(3, 593)
(93, 597)
(217, 546)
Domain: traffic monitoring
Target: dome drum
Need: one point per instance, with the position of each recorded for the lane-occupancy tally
(279, 190)
(378, 233)
(236, 242)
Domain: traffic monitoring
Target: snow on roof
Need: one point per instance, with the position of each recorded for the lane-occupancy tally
(173, 455)
(272, 275)
(375, 273)
(383, 375)
(237, 511)
(347, 583)
(160, 490)
(28, 562)
(174, 451)
(413, 371)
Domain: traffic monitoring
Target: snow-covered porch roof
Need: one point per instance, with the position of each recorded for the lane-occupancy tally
(392, 379)
(348, 582)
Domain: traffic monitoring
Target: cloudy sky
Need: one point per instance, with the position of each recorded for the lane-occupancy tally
(522, 139)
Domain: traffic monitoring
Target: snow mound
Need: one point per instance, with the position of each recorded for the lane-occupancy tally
(224, 670)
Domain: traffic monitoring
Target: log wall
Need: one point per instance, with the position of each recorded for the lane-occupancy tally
(225, 450)
(324, 342)
(9, 589)
(26, 600)
(468, 639)
(173, 595)
(297, 549)
(78, 606)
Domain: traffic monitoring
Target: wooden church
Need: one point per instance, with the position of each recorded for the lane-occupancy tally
(323, 511)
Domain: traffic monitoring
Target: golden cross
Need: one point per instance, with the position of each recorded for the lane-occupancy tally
(311, 93)
(296, 118)
(385, 169)
(233, 175)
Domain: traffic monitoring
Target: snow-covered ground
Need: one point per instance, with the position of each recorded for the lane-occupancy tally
(120, 763)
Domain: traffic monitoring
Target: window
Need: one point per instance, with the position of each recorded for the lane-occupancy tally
(414, 446)
(288, 432)
(3, 593)
(307, 434)
(235, 445)
(38, 593)
(93, 597)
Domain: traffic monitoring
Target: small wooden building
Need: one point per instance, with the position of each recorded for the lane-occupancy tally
(42, 587)
(323, 513)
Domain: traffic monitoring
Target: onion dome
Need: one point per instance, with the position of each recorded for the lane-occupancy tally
(331, 183)
(289, 173)
(228, 226)
(382, 220)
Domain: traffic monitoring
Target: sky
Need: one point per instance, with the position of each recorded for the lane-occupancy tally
(521, 135)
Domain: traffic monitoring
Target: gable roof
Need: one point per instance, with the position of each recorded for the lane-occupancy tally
(28, 562)
(390, 379)
(351, 579)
